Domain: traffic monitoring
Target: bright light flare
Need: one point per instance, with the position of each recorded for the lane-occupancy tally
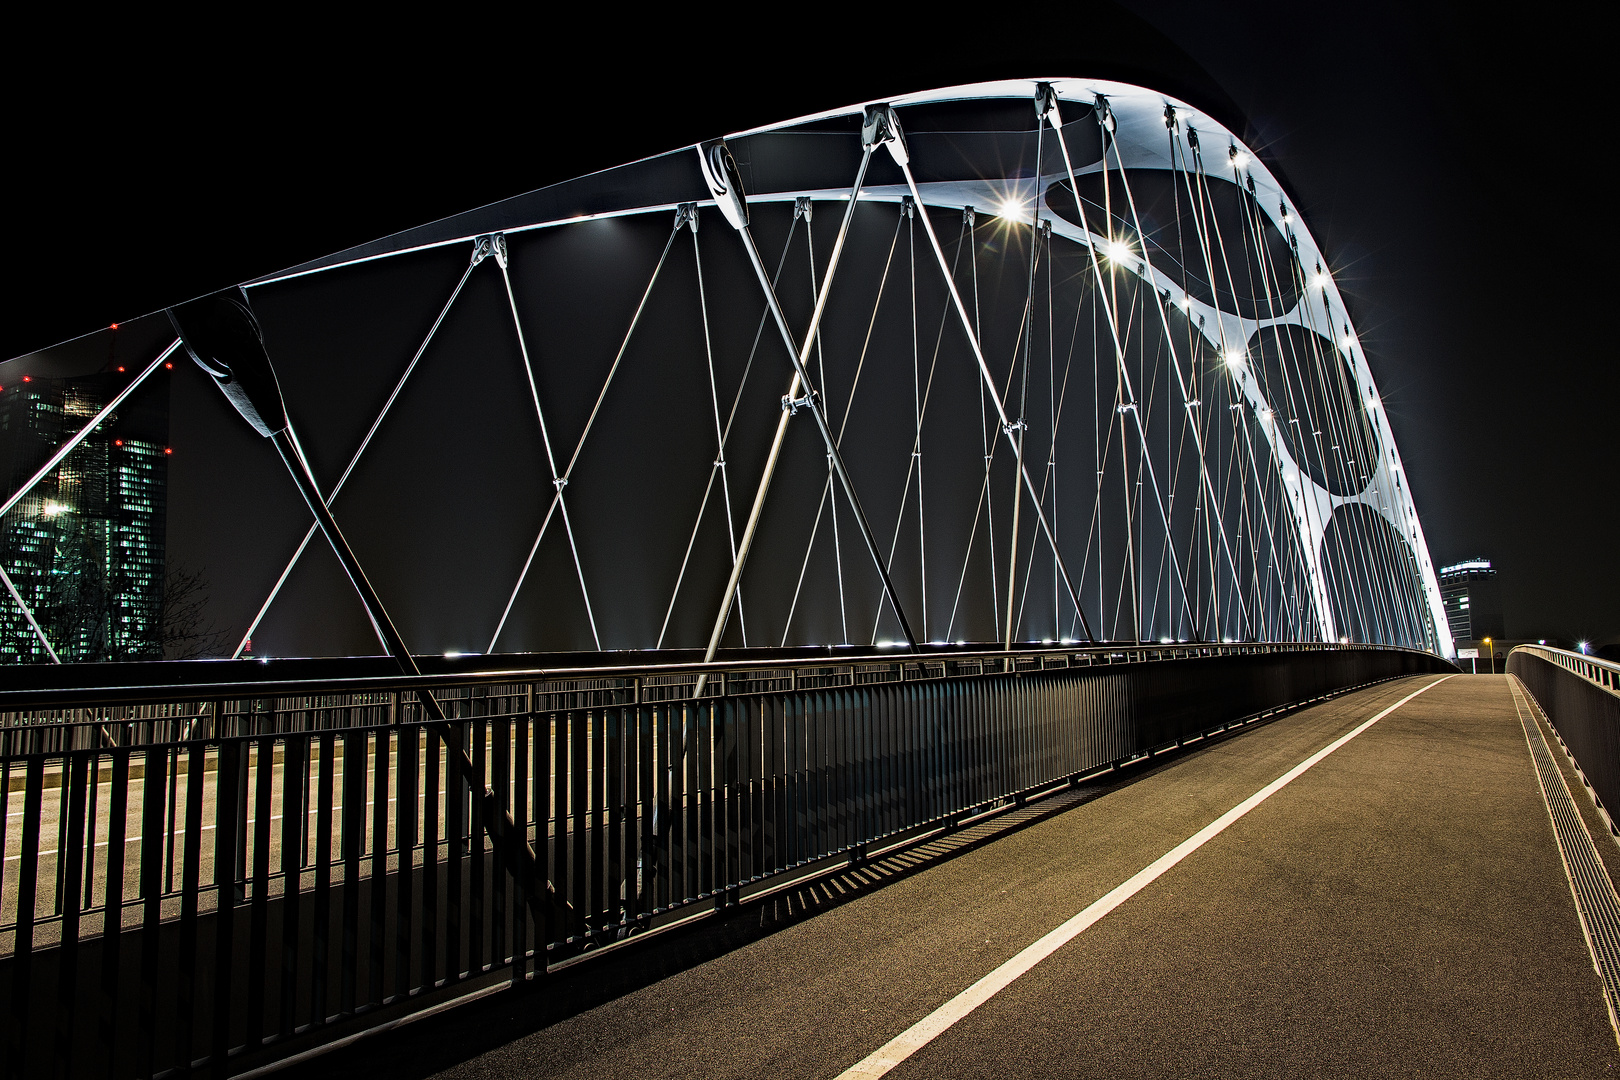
(1119, 250)
(1234, 358)
(1012, 208)
(53, 508)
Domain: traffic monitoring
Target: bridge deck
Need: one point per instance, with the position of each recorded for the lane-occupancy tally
(1401, 908)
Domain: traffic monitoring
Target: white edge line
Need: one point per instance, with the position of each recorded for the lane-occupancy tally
(925, 1030)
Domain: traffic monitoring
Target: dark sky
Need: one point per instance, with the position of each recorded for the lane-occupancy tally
(1450, 164)
(1450, 161)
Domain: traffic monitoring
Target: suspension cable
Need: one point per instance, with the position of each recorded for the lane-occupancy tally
(560, 481)
(725, 435)
(482, 248)
(849, 404)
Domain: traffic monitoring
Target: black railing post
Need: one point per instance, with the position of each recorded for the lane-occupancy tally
(22, 950)
(113, 918)
(152, 850)
(227, 823)
(258, 926)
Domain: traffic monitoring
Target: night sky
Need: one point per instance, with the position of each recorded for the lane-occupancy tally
(1451, 167)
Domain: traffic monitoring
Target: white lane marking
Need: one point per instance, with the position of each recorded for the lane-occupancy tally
(925, 1030)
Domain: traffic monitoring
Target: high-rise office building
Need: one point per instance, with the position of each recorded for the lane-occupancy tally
(85, 548)
(1472, 601)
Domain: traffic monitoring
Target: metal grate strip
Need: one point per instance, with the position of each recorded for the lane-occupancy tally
(1595, 899)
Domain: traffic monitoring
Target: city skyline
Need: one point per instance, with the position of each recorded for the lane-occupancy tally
(86, 547)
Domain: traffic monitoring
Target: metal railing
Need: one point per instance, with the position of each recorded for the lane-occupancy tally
(224, 874)
(1580, 696)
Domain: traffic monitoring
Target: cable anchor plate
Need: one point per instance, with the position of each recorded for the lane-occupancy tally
(487, 245)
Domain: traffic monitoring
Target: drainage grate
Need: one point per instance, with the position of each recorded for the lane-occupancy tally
(1595, 898)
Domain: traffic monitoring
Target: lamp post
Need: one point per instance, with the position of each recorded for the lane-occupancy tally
(1490, 651)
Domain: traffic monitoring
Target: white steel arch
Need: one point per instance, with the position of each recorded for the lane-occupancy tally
(1141, 119)
(1245, 479)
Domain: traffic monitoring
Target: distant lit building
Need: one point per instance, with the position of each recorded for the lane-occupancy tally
(85, 548)
(1472, 601)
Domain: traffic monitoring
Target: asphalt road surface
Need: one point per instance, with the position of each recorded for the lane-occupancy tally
(1399, 909)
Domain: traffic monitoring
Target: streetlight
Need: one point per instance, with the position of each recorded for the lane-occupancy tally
(1490, 650)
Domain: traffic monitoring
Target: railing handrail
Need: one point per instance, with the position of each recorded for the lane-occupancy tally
(150, 693)
(643, 816)
(1604, 674)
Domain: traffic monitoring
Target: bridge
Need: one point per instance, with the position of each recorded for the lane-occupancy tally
(767, 640)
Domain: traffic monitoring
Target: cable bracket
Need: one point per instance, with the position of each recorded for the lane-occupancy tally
(794, 404)
(881, 127)
(1046, 104)
(487, 245)
(686, 214)
(1105, 114)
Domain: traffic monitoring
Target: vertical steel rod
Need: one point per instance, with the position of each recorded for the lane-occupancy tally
(995, 395)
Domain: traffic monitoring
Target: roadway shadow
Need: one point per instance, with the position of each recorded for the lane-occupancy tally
(435, 1043)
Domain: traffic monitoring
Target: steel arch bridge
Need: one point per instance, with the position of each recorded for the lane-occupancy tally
(1033, 360)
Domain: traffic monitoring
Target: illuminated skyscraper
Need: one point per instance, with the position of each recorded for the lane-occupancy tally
(1472, 601)
(85, 548)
